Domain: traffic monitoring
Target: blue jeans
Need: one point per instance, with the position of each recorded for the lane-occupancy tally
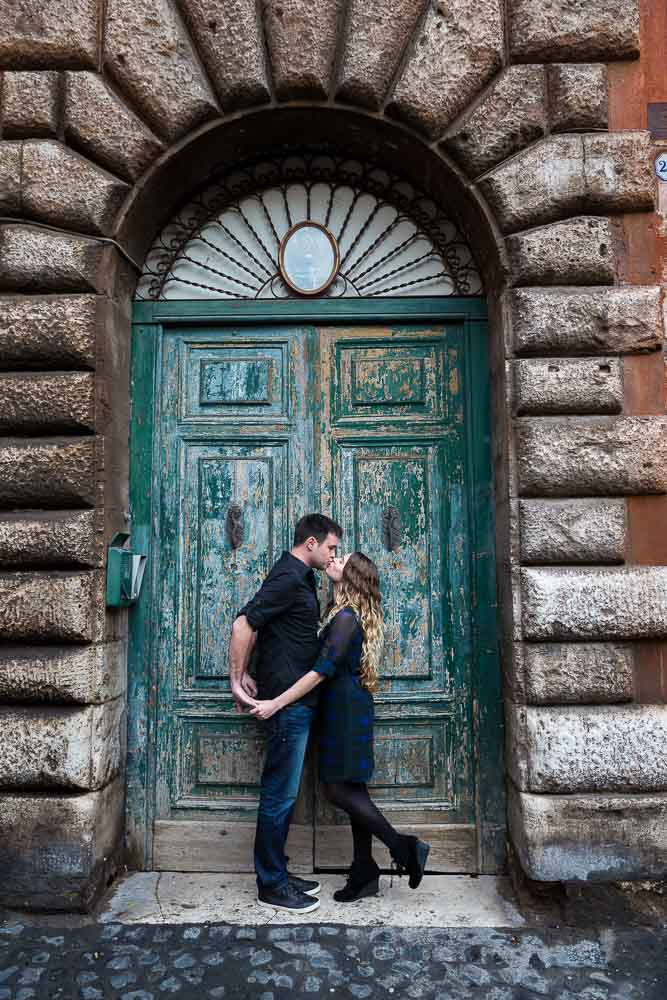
(287, 738)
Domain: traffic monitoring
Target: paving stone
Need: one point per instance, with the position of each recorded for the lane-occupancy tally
(559, 30)
(57, 331)
(32, 35)
(50, 472)
(572, 531)
(301, 38)
(571, 673)
(568, 385)
(586, 321)
(592, 748)
(579, 251)
(457, 52)
(100, 124)
(29, 104)
(34, 260)
(375, 39)
(591, 456)
(151, 57)
(64, 189)
(578, 96)
(511, 116)
(594, 603)
(229, 39)
(565, 175)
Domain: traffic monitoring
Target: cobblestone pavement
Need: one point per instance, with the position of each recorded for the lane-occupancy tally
(148, 962)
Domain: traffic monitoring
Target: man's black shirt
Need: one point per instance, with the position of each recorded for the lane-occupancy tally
(285, 612)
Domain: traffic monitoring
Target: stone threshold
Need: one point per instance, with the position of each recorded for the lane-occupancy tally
(187, 898)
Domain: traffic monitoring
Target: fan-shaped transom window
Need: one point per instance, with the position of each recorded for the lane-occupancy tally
(306, 226)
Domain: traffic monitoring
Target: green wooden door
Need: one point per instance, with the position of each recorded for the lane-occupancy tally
(373, 424)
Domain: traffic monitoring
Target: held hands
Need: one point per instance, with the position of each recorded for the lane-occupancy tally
(244, 693)
(265, 709)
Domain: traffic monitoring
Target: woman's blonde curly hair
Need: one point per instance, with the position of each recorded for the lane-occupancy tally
(360, 591)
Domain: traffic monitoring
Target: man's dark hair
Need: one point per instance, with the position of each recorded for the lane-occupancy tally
(315, 526)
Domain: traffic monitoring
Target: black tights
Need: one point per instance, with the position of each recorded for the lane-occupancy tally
(365, 817)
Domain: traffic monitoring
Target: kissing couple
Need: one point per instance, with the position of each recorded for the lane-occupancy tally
(321, 675)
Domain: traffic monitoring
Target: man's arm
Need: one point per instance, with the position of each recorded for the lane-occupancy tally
(241, 645)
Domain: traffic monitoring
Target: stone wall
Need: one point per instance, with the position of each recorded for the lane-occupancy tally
(513, 100)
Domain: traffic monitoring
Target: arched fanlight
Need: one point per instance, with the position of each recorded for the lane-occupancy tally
(307, 225)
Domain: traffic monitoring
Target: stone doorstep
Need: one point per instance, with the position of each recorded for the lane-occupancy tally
(441, 901)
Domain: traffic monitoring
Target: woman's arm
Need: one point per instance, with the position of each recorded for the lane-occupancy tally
(333, 652)
(265, 709)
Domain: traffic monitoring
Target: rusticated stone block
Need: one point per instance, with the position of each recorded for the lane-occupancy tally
(10, 177)
(30, 104)
(61, 33)
(579, 251)
(579, 838)
(57, 747)
(51, 472)
(566, 175)
(559, 30)
(302, 39)
(591, 603)
(150, 55)
(101, 125)
(568, 385)
(47, 607)
(64, 189)
(592, 748)
(49, 331)
(56, 538)
(229, 39)
(34, 260)
(375, 39)
(572, 531)
(578, 96)
(510, 117)
(63, 674)
(58, 852)
(47, 403)
(574, 673)
(458, 51)
(618, 167)
(592, 457)
(586, 321)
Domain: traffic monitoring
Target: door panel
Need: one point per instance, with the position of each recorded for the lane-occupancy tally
(396, 447)
(233, 480)
(257, 427)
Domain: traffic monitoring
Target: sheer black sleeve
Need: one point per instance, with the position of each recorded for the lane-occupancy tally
(337, 640)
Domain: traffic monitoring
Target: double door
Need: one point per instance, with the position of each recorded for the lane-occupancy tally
(258, 426)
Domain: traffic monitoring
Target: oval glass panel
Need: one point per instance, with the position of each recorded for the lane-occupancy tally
(309, 258)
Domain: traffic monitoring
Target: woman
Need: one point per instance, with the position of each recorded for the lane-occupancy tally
(348, 663)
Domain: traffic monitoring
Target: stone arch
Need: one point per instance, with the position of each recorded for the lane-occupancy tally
(132, 99)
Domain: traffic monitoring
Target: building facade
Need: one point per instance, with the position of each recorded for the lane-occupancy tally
(402, 263)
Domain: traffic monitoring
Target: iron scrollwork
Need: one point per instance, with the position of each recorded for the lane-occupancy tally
(225, 242)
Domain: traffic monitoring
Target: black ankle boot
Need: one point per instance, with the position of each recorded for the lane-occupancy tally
(410, 856)
(363, 880)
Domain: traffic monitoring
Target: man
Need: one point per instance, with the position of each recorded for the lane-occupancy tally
(283, 618)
